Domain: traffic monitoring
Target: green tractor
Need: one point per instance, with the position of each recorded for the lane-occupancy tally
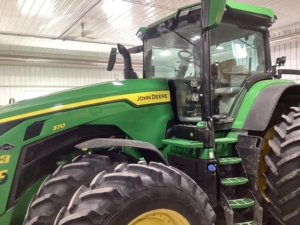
(210, 126)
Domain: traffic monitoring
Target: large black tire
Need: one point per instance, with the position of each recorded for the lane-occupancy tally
(283, 174)
(58, 188)
(135, 189)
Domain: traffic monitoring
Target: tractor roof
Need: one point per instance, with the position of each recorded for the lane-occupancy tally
(231, 4)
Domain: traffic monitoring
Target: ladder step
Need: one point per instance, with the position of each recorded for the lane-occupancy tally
(234, 181)
(241, 203)
(226, 140)
(247, 223)
(183, 143)
(229, 160)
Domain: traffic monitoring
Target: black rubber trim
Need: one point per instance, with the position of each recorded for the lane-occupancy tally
(286, 71)
(7, 126)
(50, 148)
(112, 142)
(258, 77)
(263, 107)
(34, 130)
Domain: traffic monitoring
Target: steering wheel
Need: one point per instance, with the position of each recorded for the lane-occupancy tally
(188, 58)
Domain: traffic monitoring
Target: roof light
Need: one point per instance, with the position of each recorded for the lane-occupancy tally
(196, 7)
(184, 12)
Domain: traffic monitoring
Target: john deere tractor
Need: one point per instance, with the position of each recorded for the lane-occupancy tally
(210, 126)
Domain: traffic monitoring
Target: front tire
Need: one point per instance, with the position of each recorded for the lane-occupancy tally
(59, 187)
(139, 194)
(283, 174)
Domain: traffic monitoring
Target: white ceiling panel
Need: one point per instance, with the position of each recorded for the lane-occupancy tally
(42, 23)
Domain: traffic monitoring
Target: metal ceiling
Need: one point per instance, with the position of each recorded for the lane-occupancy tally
(47, 23)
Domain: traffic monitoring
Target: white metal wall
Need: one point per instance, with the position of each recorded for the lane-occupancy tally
(23, 82)
(292, 51)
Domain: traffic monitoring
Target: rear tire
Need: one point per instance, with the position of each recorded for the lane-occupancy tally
(59, 187)
(283, 174)
(136, 190)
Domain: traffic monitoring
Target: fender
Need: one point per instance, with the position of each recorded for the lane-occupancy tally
(143, 147)
(264, 105)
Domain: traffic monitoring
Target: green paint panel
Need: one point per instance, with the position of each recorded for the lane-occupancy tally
(92, 92)
(216, 11)
(183, 143)
(234, 181)
(250, 98)
(133, 120)
(229, 160)
(241, 203)
(247, 223)
(251, 8)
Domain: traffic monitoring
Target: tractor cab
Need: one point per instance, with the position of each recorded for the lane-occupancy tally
(206, 70)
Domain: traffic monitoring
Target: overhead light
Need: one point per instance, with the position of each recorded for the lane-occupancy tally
(219, 47)
(165, 53)
(186, 11)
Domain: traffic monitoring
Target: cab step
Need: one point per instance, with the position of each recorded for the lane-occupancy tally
(229, 160)
(226, 140)
(234, 181)
(241, 203)
(183, 143)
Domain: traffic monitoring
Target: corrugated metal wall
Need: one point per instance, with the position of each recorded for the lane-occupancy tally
(292, 52)
(23, 82)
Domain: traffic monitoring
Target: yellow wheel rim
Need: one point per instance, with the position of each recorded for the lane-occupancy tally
(160, 217)
(265, 150)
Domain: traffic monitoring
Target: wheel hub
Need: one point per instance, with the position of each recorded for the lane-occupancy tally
(160, 217)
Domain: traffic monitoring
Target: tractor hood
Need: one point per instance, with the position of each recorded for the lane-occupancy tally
(137, 92)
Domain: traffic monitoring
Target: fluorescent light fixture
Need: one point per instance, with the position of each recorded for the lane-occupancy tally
(219, 47)
(165, 53)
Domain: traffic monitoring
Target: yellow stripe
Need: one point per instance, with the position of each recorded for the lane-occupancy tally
(143, 98)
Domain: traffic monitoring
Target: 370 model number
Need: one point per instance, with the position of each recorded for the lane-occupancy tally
(58, 126)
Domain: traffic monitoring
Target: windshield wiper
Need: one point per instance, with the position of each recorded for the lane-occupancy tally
(179, 35)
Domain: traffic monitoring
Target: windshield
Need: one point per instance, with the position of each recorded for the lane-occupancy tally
(236, 55)
(176, 55)
(168, 55)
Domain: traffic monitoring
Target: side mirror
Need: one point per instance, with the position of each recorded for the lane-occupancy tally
(213, 13)
(280, 61)
(112, 59)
